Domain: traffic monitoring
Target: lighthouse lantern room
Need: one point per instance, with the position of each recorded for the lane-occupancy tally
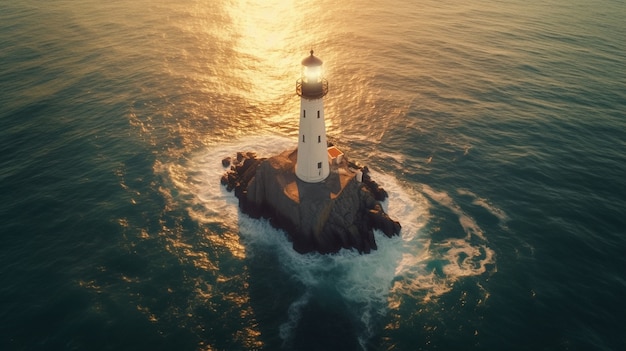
(312, 164)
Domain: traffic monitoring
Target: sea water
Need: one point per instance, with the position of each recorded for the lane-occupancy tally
(497, 127)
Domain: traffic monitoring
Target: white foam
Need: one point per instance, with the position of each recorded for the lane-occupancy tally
(371, 284)
(294, 313)
(432, 271)
(484, 203)
(205, 171)
(467, 222)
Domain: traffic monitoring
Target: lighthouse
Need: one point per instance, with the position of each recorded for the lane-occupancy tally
(312, 165)
(327, 204)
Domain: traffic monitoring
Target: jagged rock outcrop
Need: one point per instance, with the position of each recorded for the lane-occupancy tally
(339, 212)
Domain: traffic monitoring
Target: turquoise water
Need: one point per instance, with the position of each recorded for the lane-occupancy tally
(497, 127)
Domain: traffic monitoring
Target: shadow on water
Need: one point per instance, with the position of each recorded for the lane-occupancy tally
(325, 325)
(292, 316)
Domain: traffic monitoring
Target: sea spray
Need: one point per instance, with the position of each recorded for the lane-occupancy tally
(369, 285)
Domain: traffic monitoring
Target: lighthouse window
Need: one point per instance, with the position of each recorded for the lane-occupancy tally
(319, 138)
(318, 114)
(319, 165)
(304, 113)
(303, 138)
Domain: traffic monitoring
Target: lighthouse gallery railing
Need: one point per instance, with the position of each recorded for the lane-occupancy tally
(312, 90)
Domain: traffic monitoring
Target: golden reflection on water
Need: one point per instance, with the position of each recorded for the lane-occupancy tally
(244, 57)
(234, 66)
(267, 46)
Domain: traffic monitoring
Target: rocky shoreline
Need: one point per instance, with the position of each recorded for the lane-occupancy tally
(340, 212)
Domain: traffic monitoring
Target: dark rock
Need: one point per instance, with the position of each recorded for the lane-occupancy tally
(324, 217)
(226, 161)
(239, 156)
(379, 193)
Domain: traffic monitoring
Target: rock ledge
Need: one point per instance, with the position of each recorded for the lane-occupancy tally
(340, 212)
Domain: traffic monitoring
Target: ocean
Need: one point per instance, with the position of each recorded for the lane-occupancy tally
(497, 127)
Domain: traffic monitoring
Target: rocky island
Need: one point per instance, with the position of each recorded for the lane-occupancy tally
(340, 212)
(321, 200)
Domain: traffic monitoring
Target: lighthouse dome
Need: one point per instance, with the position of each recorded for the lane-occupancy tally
(311, 61)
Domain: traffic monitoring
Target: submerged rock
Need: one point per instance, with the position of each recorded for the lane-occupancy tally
(339, 212)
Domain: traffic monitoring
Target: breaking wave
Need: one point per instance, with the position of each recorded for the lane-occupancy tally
(369, 284)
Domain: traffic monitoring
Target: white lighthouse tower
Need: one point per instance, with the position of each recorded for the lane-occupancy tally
(312, 165)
